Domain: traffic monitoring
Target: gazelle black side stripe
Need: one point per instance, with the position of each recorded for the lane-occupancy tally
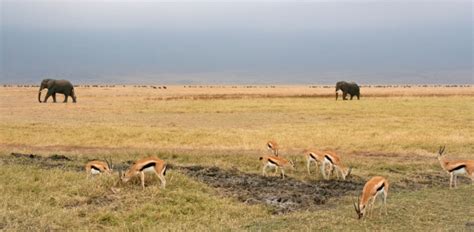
(273, 162)
(151, 164)
(458, 168)
(381, 187)
(329, 158)
(96, 168)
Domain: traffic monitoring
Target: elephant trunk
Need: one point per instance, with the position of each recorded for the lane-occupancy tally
(39, 96)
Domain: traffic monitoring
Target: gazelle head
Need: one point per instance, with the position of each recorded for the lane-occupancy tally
(127, 175)
(360, 212)
(123, 177)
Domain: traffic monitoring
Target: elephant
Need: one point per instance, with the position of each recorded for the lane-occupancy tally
(350, 88)
(57, 86)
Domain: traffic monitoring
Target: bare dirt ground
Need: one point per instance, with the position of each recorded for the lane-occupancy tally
(281, 195)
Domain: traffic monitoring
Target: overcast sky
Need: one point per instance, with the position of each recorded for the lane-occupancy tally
(237, 41)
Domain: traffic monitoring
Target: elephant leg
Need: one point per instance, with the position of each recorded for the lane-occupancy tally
(344, 95)
(65, 97)
(358, 96)
(47, 96)
(352, 96)
(54, 97)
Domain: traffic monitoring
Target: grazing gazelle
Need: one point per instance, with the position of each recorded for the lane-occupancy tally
(316, 157)
(273, 147)
(149, 165)
(95, 167)
(277, 163)
(375, 186)
(456, 167)
(334, 161)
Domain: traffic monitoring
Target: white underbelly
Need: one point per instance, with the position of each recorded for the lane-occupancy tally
(149, 169)
(459, 171)
(272, 165)
(326, 161)
(95, 171)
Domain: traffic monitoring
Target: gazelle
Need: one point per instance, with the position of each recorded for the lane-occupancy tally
(316, 157)
(95, 167)
(277, 163)
(372, 189)
(273, 147)
(456, 167)
(334, 161)
(148, 165)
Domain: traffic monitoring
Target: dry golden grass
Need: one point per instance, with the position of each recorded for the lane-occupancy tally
(132, 118)
(391, 131)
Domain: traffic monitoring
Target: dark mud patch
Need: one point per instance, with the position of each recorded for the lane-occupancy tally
(46, 162)
(282, 195)
(59, 157)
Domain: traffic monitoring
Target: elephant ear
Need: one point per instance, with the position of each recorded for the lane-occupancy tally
(51, 83)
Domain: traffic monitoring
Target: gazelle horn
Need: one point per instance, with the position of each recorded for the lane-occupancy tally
(441, 149)
(356, 207)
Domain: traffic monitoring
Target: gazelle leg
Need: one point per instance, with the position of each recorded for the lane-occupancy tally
(142, 178)
(337, 169)
(282, 173)
(308, 163)
(276, 170)
(372, 203)
(455, 181)
(264, 170)
(316, 166)
(451, 180)
(323, 170)
(331, 171)
(385, 202)
(162, 179)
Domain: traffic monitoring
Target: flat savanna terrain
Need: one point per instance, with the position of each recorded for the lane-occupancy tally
(212, 137)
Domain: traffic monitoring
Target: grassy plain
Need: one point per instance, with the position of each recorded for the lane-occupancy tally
(393, 132)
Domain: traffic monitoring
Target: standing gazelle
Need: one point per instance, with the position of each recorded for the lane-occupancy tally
(456, 167)
(149, 165)
(277, 163)
(335, 164)
(95, 167)
(375, 186)
(273, 147)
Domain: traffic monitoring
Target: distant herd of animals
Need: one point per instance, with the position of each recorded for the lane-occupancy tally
(347, 88)
(328, 160)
